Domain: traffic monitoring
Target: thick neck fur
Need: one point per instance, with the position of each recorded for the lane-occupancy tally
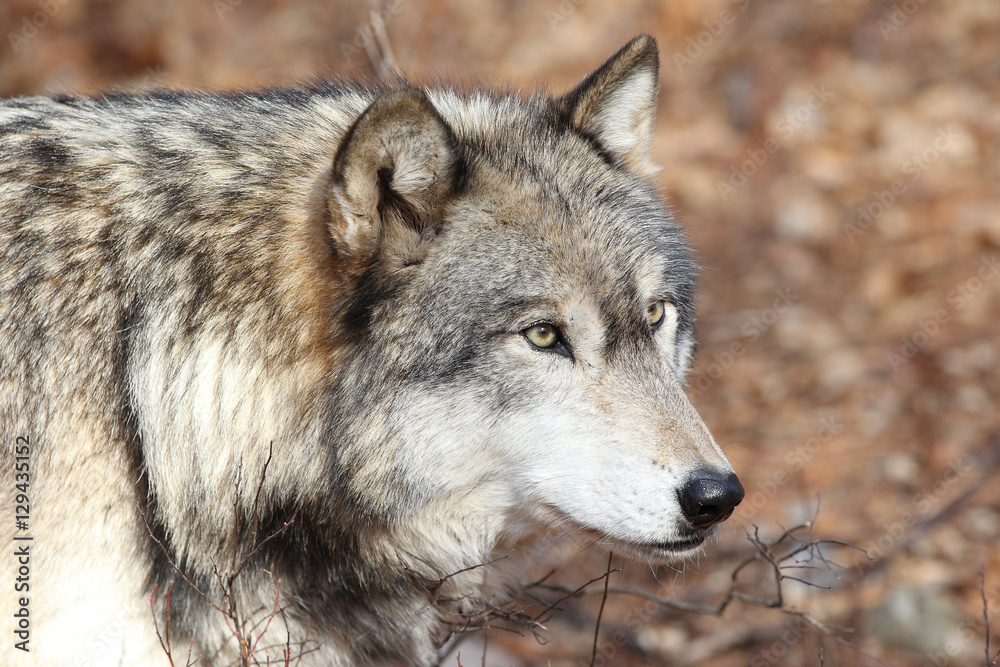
(344, 560)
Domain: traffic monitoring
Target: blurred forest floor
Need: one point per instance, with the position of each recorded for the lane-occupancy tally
(838, 167)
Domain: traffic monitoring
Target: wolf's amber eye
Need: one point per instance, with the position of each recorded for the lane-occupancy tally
(655, 313)
(542, 335)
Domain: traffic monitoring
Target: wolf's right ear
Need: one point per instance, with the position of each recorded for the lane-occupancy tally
(616, 104)
(393, 167)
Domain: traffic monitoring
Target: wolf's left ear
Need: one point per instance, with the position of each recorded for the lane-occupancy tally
(395, 165)
(616, 104)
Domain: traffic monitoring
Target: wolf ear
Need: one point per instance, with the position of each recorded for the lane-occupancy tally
(615, 104)
(393, 167)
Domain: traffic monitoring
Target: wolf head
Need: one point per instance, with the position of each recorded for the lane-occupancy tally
(521, 319)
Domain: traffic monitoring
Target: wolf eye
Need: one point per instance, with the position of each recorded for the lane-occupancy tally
(655, 313)
(542, 335)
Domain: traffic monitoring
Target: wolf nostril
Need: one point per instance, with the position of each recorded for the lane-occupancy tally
(709, 498)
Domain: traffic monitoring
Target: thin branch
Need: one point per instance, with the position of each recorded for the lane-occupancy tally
(600, 612)
(774, 554)
(260, 487)
(486, 621)
(376, 42)
(990, 662)
(239, 621)
(826, 630)
(438, 581)
(987, 465)
(284, 526)
(678, 605)
(571, 594)
(175, 568)
(274, 612)
(236, 512)
(165, 643)
(473, 567)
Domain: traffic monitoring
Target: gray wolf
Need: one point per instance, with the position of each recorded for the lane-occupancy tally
(346, 341)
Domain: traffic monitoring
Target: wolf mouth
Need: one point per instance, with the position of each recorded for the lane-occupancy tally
(668, 549)
(664, 550)
(691, 542)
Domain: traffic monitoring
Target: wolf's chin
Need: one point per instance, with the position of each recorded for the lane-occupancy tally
(665, 551)
(687, 544)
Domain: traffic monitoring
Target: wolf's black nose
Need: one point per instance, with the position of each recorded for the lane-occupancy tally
(709, 498)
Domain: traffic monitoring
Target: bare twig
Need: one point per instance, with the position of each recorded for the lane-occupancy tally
(239, 620)
(164, 642)
(255, 516)
(986, 609)
(486, 622)
(791, 544)
(377, 44)
(438, 580)
(600, 612)
(284, 526)
(177, 570)
(570, 594)
(270, 617)
(164, 638)
(678, 605)
(987, 465)
(828, 631)
(990, 661)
